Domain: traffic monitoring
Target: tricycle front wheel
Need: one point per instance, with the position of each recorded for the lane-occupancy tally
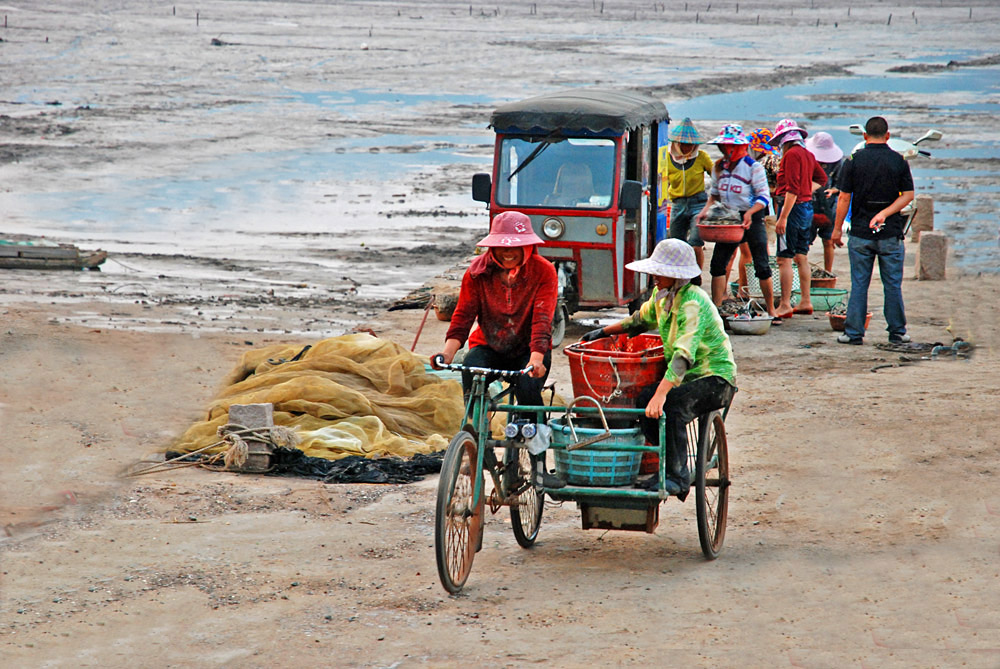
(458, 522)
(712, 484)
(526, 507)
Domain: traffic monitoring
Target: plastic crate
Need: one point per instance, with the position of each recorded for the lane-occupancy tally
(597, 467)
(753, 285)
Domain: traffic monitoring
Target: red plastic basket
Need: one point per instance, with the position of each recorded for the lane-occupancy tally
(613, 370)
(729, 234)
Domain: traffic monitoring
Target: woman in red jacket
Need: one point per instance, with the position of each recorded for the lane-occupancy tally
(798, 176)
(511, 292)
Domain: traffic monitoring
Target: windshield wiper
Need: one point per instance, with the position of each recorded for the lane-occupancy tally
(546, 143)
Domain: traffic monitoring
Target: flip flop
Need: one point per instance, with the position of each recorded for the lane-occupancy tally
(776, 320)
(804, 312)
(785, 316)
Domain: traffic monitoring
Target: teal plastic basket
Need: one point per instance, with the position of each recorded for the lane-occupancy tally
(593, 467)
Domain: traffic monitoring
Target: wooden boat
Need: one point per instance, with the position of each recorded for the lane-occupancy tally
(43, 254)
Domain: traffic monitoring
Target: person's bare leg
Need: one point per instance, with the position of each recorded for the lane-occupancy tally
(699, 256)
(767, 290)
(729, 265)
(828, 255)
(785, 274)
(805, 280)
(718, 290)
(742, 281)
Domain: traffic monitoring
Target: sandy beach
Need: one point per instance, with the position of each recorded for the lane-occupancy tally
(292, 179)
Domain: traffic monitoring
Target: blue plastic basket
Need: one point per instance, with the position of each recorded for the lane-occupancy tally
(593, 467)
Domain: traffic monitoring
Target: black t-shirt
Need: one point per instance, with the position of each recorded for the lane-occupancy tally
(875, 176)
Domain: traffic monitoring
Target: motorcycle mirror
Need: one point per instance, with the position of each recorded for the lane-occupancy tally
(857, 129)
(930, 136)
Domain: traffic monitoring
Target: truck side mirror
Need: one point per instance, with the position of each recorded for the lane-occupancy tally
(631, 196)
(482, 184)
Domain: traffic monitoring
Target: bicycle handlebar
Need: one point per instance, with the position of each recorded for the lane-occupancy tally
(438, 362)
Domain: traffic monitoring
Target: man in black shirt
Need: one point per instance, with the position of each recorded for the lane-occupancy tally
(879, 180)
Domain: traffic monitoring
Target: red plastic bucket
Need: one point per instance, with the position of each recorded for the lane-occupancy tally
(613, 370)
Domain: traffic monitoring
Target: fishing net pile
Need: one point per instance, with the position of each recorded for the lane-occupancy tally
(354, 395)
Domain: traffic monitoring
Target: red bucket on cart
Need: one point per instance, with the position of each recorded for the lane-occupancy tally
(614, 370)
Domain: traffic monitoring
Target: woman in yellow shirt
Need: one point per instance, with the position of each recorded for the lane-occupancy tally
(685, 187)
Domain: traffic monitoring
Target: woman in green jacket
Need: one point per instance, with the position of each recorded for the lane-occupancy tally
(701, 372)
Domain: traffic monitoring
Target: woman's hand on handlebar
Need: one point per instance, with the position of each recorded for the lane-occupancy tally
(445, 357)
(537, 364)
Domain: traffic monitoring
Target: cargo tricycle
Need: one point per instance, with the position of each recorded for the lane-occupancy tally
(598, 449)
(583, 166)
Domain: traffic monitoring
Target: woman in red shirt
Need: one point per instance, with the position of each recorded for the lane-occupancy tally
(511, 292)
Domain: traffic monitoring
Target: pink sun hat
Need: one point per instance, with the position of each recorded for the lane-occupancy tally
(785, 126)
(511, 228)
(824, 148)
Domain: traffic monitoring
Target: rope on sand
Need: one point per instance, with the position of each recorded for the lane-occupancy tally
(235, 454)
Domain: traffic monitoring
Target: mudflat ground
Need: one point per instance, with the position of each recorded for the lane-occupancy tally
(864, 524)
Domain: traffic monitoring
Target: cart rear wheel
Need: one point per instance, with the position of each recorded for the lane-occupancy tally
(526, 508)
(457, 523)
(712, 484)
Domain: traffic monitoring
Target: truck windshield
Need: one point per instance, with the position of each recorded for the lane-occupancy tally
(575, 173)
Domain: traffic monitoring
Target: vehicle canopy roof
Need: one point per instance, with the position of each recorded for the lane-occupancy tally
(580, 110)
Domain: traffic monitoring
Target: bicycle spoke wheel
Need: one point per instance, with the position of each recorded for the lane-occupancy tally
(457, 523)
(712, 484)
(526, 508)
(693, 430)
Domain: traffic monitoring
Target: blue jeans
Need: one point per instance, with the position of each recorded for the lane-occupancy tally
(682, 213)
(862, 254)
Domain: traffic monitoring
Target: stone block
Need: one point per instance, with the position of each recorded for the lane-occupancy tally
(932, 256)
(923, 220)
(254, 416)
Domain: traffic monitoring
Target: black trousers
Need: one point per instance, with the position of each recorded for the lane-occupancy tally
(527, 390)
(684, 403)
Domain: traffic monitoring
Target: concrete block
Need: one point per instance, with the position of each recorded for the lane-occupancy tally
(923, 220)
(254, 416)
(932, 256)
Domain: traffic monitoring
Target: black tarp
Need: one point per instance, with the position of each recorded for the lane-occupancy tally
(593, 110)
(352, 469)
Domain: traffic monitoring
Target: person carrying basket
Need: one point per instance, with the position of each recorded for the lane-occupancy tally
(701, 371)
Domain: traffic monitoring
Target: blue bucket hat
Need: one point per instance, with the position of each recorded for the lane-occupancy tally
(685, 133)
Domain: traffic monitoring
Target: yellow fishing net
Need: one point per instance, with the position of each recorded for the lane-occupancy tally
(349, 395)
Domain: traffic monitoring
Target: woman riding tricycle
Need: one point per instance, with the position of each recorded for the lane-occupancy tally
(690, 400)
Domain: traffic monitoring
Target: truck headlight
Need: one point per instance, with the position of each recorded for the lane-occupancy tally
(553, 228)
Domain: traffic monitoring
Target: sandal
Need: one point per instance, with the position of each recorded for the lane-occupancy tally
(776, 320)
